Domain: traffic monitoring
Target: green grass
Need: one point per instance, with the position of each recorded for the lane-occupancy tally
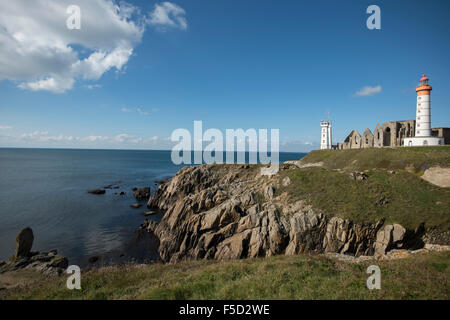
(419, 158)
(421, 276)
(411, 199)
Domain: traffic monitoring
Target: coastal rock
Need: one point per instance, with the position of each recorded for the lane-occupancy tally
(49, 263)
(148, 213)
(391, 237)
(23, 243)
(97, 191)
(93, 259)
(142, 194)
(231, 212)
(136, 205)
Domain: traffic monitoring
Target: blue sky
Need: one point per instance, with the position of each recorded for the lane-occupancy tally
(238, 64)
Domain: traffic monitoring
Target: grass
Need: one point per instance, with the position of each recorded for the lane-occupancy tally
(419, 158)
(411, 200)
(420, 276)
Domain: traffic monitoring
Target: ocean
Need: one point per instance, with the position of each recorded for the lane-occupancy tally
(46, 189)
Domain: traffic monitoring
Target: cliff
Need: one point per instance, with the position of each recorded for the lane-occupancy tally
(231, 212)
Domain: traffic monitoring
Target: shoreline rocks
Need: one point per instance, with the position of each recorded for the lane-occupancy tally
(49, 263)
(97, 191)
(141, 194)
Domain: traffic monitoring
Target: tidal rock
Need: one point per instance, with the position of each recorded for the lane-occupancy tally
(97, 191)
(23, 243)
(136, 205)
(93, 259)
(148, 213)
(142, 193)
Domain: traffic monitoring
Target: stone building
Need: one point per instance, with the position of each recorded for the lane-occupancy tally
(378, 136)
(353, 141)
(396, 131)
(367, 139)
(389, 134)
(441, 133)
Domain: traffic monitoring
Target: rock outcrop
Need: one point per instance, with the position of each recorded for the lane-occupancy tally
(141, 194)
(231, 212)
(23, 243)
(49, 263)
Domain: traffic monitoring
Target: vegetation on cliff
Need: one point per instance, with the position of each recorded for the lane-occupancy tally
(417, 159)
(420, 276)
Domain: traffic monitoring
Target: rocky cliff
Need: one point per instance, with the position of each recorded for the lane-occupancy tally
(232, 212)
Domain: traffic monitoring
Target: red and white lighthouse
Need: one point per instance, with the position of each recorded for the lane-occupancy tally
(423, 111)
(423, 135)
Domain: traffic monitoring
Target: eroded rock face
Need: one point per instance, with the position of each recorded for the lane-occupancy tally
(213, 213)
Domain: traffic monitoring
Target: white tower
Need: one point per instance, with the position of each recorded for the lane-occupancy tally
(423, 135)
(325, 138)
(423, 111)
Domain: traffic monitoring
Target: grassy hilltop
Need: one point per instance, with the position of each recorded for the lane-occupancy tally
(417, 159)
(393, 188)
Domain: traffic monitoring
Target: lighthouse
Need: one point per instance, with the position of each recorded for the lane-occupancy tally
(325, 139)
(423, 112)
(423, 118)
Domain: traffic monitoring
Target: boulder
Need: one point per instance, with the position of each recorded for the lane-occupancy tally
(136, 205)
(93, 259)
(24, 242)
(97, 191)
(391, 237)
(286, 181)
(142, 193)
(148, 213)
(358, 176)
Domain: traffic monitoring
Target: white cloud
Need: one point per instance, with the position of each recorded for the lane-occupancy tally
(142, 113)
(94, 138)
(43, 136)
(368, 91)
(93, 86)
(139, 111)
(168, 14)
(5, 127)
(123, 137)
(39, 52)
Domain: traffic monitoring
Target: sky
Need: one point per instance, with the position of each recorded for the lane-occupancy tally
(136, 71)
